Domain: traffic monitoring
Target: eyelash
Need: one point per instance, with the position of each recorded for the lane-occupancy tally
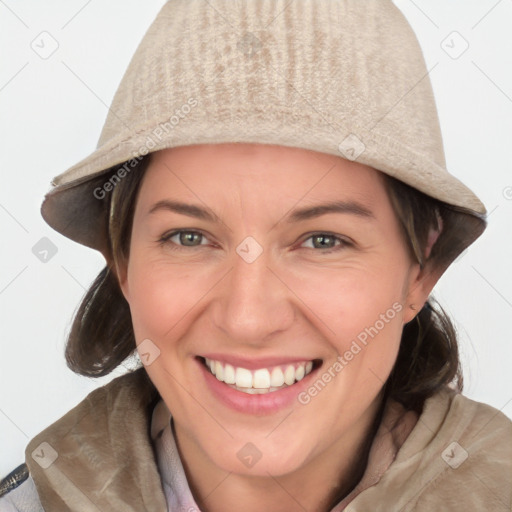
(165, 240)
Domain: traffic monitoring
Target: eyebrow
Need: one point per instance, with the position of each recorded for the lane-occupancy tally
(199, 212)
(311, 212)
(190, 210)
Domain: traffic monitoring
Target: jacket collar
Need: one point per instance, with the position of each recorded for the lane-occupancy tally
(95, 457)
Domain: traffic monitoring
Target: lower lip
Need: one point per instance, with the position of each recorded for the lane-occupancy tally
(267, 403)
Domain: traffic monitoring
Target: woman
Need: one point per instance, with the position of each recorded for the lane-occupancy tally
(270, 196)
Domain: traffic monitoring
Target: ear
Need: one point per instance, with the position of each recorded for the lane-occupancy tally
(423, 279)
(120, 271)
(421, 283)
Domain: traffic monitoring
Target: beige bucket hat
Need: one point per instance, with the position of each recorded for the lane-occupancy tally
(343, 77)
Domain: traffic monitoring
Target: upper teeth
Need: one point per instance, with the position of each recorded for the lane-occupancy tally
(265, 379)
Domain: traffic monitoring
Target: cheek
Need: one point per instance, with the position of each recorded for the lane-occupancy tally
(166, 298)
(360, 313)
(350, 301)
(159, 297)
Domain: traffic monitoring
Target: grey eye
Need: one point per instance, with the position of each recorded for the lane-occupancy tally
(322, 241)
(189, 238)
(183, 238)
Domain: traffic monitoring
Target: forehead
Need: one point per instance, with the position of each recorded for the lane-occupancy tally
(249, 170)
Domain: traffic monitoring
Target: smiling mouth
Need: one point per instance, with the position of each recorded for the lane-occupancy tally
(261, 380)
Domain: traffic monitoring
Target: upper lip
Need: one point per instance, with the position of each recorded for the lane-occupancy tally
(255, 363)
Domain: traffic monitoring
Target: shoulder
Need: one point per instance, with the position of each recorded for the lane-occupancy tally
(470, 447)
(18, 492)
(458, 457)
(482, 430)
(449, 414)
(129, 394)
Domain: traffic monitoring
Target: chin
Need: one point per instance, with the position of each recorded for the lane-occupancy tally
(260, 457)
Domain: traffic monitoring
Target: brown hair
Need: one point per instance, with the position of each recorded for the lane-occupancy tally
(101, 335)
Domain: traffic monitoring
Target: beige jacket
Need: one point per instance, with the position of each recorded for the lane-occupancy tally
(457, 456)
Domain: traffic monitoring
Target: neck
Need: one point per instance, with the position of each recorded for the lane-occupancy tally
(319, 485)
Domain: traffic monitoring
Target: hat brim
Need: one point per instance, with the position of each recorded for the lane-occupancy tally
(76, 206)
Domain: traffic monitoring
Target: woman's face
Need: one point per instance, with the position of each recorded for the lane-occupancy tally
(271, 262)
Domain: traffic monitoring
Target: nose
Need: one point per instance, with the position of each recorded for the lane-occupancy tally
(253, 303)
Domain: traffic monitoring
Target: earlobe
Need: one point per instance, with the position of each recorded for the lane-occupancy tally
(411, 310)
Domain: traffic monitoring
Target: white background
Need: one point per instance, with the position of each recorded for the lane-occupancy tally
(51, 114)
